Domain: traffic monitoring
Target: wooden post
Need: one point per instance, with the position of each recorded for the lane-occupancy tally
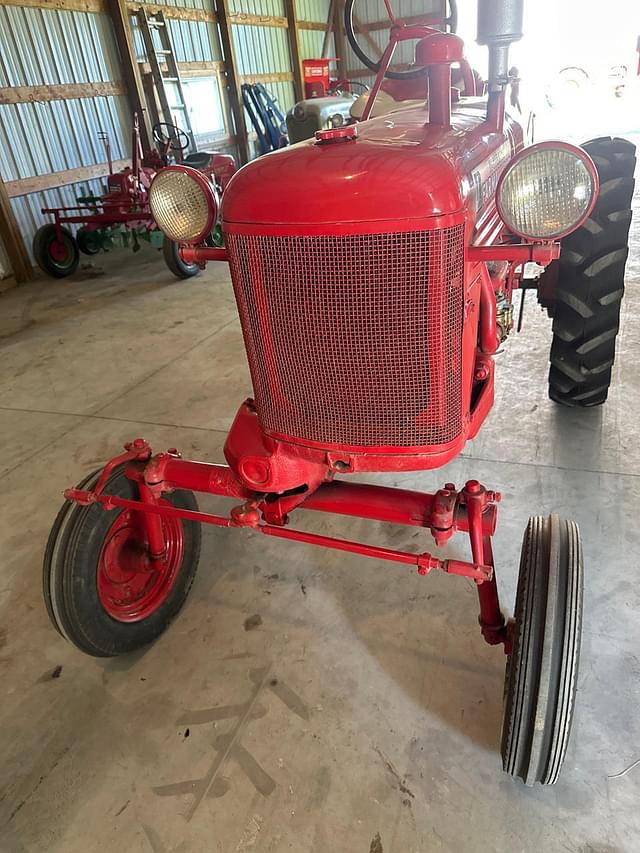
(124, 38)
(339, 36)
(328, 30)
(294, 48)
(233, 80)
(12, 240)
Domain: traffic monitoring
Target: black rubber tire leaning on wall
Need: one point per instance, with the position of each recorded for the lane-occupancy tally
(172, 258)
(590, 285)
(72, 565)
(542, 669)
(44, 237)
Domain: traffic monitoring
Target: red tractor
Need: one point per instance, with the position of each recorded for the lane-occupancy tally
(374, 269)
(124, 208)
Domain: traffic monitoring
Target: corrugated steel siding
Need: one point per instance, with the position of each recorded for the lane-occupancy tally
(258, 7)
(49, 47)
(263, 51)
(193, 41)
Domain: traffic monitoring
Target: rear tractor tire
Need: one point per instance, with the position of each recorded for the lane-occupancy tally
(590, 283)
(101, 589)
(542, 668)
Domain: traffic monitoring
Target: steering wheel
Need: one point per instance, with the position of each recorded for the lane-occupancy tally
(351, 23)
(170, 137)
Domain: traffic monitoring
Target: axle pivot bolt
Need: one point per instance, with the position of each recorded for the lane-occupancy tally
(474, 487)
(481, 373)
(450, 487)
(139, 443)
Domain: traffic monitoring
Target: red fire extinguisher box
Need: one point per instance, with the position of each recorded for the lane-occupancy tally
(316, 77)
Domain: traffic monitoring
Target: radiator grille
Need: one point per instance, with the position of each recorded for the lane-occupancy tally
(354, 340)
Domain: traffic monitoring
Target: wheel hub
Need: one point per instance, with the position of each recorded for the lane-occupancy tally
(58, 251)
(132, 584)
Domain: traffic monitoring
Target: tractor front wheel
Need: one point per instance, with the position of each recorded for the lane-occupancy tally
(542, 667)
(102, 589)
(180, 268)
(57, 258)
(590, 283)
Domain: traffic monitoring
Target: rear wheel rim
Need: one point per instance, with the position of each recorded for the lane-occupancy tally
(131, 584)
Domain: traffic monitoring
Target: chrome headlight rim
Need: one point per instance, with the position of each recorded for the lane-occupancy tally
(210, 197)
(554, 145)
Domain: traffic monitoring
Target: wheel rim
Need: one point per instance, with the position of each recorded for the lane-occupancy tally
(60, 253)
(132, 585)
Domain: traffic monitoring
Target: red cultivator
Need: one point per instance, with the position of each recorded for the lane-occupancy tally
(374, 269)
(123, 210)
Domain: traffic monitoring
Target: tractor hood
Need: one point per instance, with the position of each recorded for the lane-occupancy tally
(397, 168)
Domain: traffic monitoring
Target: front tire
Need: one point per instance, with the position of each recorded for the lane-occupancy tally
(180, 268)
(542, 668)
(102, 591)
(590, 283)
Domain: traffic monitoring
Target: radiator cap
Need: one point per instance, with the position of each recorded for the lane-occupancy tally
(337, 134)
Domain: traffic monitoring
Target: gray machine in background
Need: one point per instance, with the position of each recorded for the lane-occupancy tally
(318, 114)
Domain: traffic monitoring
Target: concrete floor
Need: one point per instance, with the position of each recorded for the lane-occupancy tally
(363, 714)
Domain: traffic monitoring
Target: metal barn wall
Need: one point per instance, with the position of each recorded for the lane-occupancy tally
(311, 41)
(51, 46)
(48, 47)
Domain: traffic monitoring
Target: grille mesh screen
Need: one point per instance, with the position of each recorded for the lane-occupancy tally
(354, 340)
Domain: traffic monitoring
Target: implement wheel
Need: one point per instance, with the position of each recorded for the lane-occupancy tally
(590, 284)
(56, 258)
(102, 590)
(542, 668)
(180, 268)
(88, 240)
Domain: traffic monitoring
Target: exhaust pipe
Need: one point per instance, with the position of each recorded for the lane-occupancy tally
(499, 25)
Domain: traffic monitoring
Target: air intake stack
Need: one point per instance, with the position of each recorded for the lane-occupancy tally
(499, 25)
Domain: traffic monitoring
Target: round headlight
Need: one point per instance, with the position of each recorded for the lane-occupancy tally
(547, 191)
(183, 203)
(337, 120)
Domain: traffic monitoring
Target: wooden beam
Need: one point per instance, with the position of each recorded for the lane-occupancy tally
(180, 13)
(233, 81)
(65, 5)
(320, 26)
(62, 92)
(12, 239)
(247, 19)
(340, 39)
(294, 48)
(39, 183)
(328, 29)
(197, 68)
(275, 77)
(124, 38)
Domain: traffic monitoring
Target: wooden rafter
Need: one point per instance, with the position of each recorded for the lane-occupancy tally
(62, 92)
(39, 183)
(124, 38)
(233, 80)
(339, 35)
(294, 48)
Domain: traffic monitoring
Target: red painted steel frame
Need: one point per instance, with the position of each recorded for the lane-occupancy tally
(472, 510)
